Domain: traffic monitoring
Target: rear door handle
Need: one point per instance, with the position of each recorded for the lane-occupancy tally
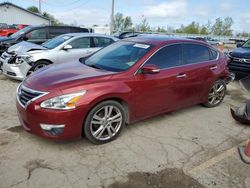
(181, 76)
(213, 67)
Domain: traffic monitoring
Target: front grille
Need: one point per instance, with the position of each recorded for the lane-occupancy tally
(241, 60)
(25, 95)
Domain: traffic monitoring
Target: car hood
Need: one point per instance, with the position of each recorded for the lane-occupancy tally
(241, 52)
(64, 76)
(5, 39)
(24, 46)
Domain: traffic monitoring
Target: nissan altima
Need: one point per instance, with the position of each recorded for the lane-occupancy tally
(128, 81)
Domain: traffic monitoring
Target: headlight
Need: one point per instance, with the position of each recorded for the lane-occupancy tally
(63, 102)
(22, 58)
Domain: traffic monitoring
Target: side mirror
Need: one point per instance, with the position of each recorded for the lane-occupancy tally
(238, 45)
(67, 47)
(150, 69)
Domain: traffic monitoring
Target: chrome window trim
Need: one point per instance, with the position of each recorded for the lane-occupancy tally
(30, 90)
(218, 55)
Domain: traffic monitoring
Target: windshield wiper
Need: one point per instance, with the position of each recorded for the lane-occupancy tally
(93, 66)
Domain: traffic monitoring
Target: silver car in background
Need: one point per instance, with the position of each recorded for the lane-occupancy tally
(24, 58)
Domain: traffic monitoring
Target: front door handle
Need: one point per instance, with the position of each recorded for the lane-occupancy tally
(213, 67)
(181, 76)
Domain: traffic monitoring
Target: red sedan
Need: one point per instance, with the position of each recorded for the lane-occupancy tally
(128, 81)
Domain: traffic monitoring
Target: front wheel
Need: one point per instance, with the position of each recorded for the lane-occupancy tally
(104, 122)
(38, 65)
(216, 94)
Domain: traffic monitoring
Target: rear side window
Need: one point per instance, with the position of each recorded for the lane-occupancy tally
(195, 53)
(167, 57)
(55, 31)
(37, 34)
(102, 41)
(213, 54)
(83, 42)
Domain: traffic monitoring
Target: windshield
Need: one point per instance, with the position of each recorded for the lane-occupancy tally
(53, 43)
(246, 44)
(20, 32)
(119, 56)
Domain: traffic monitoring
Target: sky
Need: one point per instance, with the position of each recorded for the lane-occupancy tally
(158, 12)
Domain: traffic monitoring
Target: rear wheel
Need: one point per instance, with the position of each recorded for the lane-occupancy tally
(38, 65)
(104, 122)
(216, 94)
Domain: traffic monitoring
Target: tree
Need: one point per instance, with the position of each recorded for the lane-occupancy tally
(160, 29)
(228, 22)
(127, 23)
(223, 27)
(144, 26)
(52, 19)
(33, 9)
(121, 23)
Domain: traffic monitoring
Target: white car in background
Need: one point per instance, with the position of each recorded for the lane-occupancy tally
(24, 58)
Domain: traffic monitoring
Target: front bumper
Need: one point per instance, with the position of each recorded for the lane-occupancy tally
(16, 72)
(68, 123)
(239, 67)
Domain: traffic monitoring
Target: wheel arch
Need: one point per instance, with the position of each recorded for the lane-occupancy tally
(120, 100)
(36, 62)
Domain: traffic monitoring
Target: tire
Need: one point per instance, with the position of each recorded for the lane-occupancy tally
(216, 94)
(38, 65)
(104, 130)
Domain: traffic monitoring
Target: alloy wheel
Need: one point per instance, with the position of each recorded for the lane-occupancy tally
(216, 94)
(106, 122)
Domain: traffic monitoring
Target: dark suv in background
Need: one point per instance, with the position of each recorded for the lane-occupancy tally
(37, 34)
(240, 59)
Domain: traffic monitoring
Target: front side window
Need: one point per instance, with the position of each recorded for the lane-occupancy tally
(37, 34)
(80, 43)
(119, 56)
(102, 41)
(195, 53)
(246, 44)
(167, 57)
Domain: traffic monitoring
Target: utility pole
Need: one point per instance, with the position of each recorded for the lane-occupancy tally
(40, 8)
(112, 17)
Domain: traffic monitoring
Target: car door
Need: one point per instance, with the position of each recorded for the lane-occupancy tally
(199, 67)
(162, 91)
(81, 47)
(37, 36)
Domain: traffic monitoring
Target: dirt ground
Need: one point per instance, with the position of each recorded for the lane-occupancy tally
(194, 147)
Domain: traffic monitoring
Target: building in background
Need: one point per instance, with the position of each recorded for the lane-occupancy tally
(13, 14)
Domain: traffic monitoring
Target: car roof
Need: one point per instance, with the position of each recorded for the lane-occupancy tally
(156, 39)
(87, 35)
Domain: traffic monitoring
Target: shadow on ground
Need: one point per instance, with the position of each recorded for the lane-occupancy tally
(165, 178)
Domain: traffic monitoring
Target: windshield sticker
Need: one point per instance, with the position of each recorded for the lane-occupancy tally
(130, 63)
(144, 46)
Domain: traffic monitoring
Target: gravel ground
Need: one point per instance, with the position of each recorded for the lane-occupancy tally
(193, 147)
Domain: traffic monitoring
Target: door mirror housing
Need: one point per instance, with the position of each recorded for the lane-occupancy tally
(67, 47)
(238, 45)
(150, 69)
